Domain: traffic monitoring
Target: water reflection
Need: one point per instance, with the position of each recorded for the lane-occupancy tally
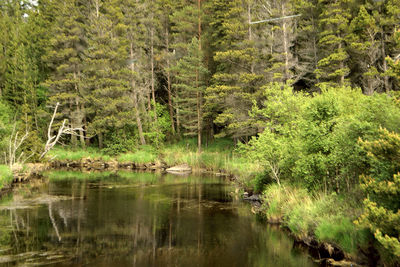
(137, 219)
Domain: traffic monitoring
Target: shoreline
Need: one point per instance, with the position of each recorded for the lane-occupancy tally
(323, 253)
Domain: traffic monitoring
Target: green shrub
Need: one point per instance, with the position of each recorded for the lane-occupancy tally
(6, 176)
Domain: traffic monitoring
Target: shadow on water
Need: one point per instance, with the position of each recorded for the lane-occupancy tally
(137, 219)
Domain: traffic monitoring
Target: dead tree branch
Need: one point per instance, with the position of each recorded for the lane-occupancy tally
(53, 139)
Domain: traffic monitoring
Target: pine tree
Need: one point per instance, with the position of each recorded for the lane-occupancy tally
(282, 36)
(187, 20)
(166, 8)
(236, 83)
(382, 207)
(105, 71)
(306, 49)
(365, 49)
(133, 15)
(388, 18)
(65, 61)
(189, 88)
(334, 24)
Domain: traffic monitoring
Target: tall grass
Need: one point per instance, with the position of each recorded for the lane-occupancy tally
(216, 156)
(77, 154)
(6, 176)
(327, 217)
(144, 154)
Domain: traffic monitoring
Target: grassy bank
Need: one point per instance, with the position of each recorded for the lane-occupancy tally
(216, 156)
(6, 176)
(325, 218)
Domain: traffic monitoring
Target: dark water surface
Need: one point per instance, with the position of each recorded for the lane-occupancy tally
(137, 219)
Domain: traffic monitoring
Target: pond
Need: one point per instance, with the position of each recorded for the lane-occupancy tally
(137, 219)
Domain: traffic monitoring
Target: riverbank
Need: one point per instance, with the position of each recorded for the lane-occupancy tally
(324, 223)
(218, 157)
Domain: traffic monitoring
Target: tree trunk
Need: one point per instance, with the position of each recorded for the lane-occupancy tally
(341, 64)
(199, 95)
(250, 32)
(285, 45)
(178, 121)
(153, 94)
(171, 110)
(135, 99)
(74, 140)
(384, 63)
(100, 135)
(80, 115)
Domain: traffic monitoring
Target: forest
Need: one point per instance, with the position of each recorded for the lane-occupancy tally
(307, 90)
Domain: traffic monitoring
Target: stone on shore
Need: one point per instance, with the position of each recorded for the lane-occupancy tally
(180, 169)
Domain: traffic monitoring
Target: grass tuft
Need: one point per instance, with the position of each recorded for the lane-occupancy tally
(6, 176)
(328, 217)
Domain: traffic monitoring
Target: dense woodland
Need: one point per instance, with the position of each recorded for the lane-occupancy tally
(312, 96)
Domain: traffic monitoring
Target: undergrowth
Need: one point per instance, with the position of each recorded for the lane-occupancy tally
(328, 218)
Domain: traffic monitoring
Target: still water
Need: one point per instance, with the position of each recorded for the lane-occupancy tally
(137, 219)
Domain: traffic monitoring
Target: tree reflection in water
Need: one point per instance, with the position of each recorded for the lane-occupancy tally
(137, 219)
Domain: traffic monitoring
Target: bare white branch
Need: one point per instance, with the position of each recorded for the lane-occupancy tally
(52, 140)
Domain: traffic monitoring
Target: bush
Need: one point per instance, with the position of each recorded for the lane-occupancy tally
(6, 176)
(313, 140)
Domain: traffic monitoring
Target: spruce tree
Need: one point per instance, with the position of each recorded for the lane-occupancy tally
(365, 49)
(65, 60)
(105, 72)
(189, 88)
(334, 30)
(236, 83)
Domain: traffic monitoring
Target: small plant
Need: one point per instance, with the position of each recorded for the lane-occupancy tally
(6, 176)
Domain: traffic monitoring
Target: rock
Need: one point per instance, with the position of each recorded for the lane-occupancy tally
(342, 263)
(255, 198)
(112, 164)
(180, 169)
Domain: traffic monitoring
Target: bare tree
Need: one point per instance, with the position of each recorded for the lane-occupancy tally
(53, 139)
(14, 143)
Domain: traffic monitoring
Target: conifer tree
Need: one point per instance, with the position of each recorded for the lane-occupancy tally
(189, 88)
(133, 14)
(382, 185)
(235, 85)
(65, 61)
(334, 24)
(282, 61)
(306, 44)
(365, 49)
(186, 24)
(106, 66)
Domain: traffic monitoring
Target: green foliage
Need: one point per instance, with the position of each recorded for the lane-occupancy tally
(76, 154)
(328, 217)
(145, 154)
(343, 232)
(314, 140)
(381, 182)
(5, 120)
(6, 176)
(190, 87)
(159, 131)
